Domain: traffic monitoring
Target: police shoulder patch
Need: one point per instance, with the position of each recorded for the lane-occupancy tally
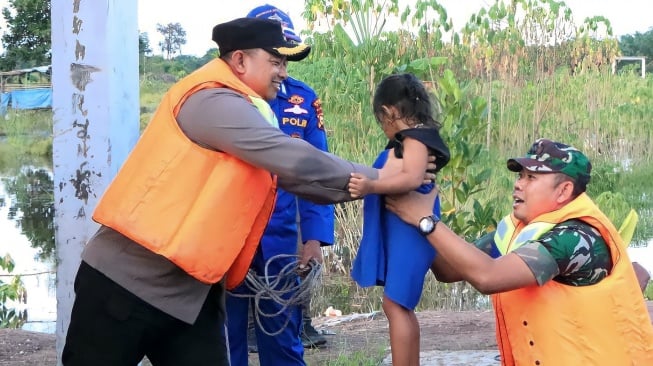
(317, 104)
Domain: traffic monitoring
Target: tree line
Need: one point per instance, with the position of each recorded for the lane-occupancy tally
(27, 36)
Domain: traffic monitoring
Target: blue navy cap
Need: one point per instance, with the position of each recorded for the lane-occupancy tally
(268, 11)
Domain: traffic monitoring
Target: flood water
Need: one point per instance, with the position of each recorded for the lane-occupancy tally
(37, 271)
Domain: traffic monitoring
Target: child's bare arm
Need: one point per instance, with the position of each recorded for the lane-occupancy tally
(415, 160)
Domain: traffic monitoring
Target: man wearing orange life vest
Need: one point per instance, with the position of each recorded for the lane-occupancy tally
(183, 217)
(563, 288)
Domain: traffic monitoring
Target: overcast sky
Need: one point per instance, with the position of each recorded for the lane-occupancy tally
(197, 17)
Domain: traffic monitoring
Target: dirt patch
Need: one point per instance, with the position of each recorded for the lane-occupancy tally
(440, 330)
(363, 336)
(20, 347)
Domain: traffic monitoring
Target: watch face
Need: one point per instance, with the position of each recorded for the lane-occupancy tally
(426, 225)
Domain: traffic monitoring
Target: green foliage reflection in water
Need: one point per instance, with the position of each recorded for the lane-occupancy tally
(33, 208)
(10, 290)
(28, 143)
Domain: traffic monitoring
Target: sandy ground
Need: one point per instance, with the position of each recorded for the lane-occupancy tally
(448, 338)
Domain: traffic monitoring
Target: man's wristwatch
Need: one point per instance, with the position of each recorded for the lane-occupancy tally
(427, 224)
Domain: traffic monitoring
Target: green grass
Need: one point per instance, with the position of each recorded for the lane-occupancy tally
(28, 137)
(365, 357)
(152, 89)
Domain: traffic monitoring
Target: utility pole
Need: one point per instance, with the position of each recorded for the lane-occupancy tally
(95, 85)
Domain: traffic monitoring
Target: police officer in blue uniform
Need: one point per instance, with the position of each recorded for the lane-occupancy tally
(299, 113)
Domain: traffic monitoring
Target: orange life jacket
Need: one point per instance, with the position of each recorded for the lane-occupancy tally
(602, 324)
(202, 209)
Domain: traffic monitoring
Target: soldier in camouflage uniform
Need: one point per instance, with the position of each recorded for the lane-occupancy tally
(563, 288)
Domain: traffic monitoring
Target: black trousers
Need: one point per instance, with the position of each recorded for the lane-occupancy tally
(111, 326)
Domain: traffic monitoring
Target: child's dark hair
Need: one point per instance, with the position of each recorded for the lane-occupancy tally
(408, 94)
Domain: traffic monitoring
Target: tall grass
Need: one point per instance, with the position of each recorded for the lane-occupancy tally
(152, 88)
(604, 115)
(28, 137)
(531, 93)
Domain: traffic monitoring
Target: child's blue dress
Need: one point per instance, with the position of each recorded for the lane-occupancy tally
(393, 253)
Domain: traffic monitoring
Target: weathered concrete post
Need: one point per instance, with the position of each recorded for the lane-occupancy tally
(96, 119)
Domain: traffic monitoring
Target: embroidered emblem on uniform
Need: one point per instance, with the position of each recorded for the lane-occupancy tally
(296, 100)
(296, 110)
(317, 104)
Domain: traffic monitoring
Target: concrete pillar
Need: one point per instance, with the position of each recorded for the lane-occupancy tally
(96, 121)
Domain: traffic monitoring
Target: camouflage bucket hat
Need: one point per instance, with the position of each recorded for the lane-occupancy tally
(546, 156)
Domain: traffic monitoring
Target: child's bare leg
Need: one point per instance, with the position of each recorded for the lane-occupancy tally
(404, 334)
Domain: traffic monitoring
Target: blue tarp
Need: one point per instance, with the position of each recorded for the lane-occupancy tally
(4, 102)
(31, 98)
(26, 99)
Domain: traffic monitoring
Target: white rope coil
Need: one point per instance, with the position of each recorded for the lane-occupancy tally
(290, 287)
